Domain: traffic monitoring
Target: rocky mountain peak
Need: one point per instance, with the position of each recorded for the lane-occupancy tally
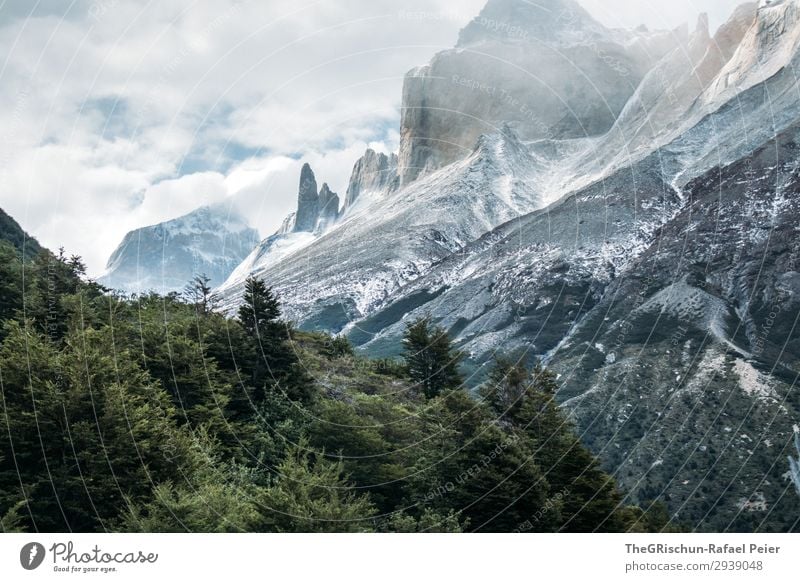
(702, 31)
(547, 67)
(372, 172)
(211, 240)
(770, 44)
(328, 207)
(307, 202)
(521, 21)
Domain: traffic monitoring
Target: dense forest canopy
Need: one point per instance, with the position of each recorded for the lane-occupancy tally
(159, 414)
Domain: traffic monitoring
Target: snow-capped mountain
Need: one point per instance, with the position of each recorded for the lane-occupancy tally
(317, 211)
(641, 242)
(345, 272)
(211, 240)
(547, 68)
(747, 69)
(674, 118)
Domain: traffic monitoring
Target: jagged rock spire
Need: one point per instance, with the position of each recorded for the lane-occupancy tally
(316, 210)
(372, 172)
(307, 202)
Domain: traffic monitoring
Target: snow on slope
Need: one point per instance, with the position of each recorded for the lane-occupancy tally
(390, 240)
(701, 79)
(164, 257)
(394, 238)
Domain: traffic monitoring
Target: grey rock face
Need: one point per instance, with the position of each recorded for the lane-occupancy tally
(316, 211)
(525, 284)
(547, 68)
(287, 225)
(373, 172)
(328, 208)
(683, 374)
(668, 101)
(307, 202)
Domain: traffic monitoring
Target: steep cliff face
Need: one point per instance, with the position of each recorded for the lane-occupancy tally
(328, 206)
(770, 43)
(683, 374)
(373, 172)
(547, 68)
(669, 91)
(307, 215)
(317, 212)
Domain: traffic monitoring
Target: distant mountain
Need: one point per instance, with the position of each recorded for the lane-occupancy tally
(318, 212)
(212, 240)
(12, 232)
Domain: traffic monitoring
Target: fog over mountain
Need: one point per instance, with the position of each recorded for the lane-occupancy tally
(119, 118)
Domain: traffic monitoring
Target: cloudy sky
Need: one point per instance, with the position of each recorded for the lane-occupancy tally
(117, 114)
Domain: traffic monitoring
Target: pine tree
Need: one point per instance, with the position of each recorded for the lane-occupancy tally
(589, 498)
(260, 316)
(10, 281)
(505, 389)
(260, 310)
(481, 470)
(312, 495)
(79, 427)
(431, 359)
(199, 389)
(215, 502)
(273, 361)
(54, 279)
(198, 292)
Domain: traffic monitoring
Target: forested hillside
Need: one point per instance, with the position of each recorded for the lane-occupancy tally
(159, 414)
(12, 232)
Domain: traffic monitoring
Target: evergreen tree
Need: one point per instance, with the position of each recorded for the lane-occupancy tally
(590, 500)
(260, 311)
(272, 360)
(431, 359)
(428, 522)
(312, 495)
(10, 282)
(505, 389)
(214, 503)
(486, 474)
(199, 293)
(200, 391)
(55, 279)
(80, 427)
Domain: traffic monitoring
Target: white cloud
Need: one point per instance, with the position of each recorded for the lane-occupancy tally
(120, 113)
